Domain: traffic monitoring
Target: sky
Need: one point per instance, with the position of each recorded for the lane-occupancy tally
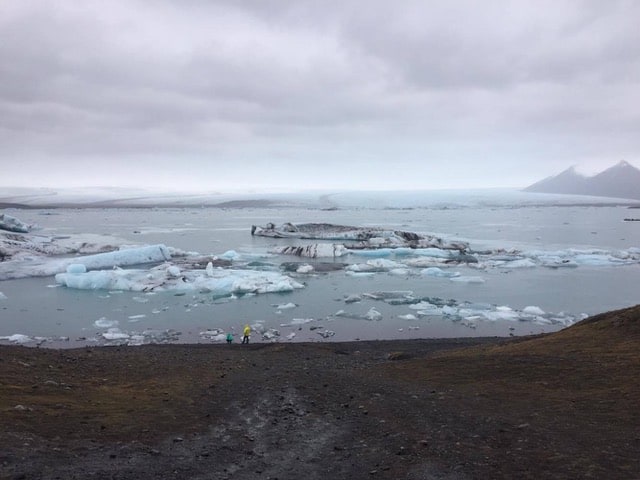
(233, 95)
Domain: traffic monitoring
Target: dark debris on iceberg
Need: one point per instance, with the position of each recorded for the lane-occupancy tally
(357, 237)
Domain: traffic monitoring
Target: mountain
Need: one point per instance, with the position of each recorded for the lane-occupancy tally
(620, 181)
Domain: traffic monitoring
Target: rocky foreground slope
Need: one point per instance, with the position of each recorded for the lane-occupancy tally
(563, 405)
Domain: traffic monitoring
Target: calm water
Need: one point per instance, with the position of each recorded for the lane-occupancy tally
(36, 307)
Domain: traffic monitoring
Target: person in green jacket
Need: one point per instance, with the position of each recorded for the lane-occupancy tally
(245, 334)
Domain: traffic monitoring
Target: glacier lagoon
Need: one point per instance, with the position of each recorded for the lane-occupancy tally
(544, 262)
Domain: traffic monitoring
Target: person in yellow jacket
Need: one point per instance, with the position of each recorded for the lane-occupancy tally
(245, 334)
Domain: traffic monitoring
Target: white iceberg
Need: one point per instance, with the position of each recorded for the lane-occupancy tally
(223, 282)
(306, 268)
(41, 266)
(285, 306)
(18, 338)
(467, 279)
(438, 272)
(105, 323)
(12, 224)
(373, 314)
(533, 310)
(115, 334)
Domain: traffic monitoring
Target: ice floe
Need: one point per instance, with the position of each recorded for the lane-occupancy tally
(285, 306)
(359, 237)
(103, 322)
(221, 282)
(12, 224)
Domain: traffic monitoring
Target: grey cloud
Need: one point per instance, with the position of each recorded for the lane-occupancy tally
(364, 82)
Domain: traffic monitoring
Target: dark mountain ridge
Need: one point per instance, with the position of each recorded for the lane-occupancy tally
(619, 181)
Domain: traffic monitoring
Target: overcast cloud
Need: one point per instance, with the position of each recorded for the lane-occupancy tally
(231, 95)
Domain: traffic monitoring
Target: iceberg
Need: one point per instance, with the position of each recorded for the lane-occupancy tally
(46, 266)
(375, 265)
(373, 314)
(438, 272)
(533, 310)
(285, 306)
(221, 282)
(105, 323)
(12, 224)
(467, 279)
(18, 338)
(362, 237)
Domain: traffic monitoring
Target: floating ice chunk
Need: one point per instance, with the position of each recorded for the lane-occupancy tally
(291, 336)
(360, 274)
(224, 282)
(422, 306)
(115, 334)
(77, 268)
(408, 316)
(2, 296)
(103, 322)
(533, 310)
(215, 335)
(326, 333)
(271, 334)
(285, 306)
(524, 263)
(449, 310)
(501, 313)
(433, 252)
(375, 265)
(209, 269)
(297, 322)
(598, 260)
(125, 257)
(134, 318)
(385, 295)
(438, 272)
(353, 298)
(173, 271)
(399, 272)
(373, 314)
(423, 262)
(306, 268)
(12, 224)
(230, 255)
(360, 268)
(136, 340)
(39, 266)
(466, 279)
(18, 338)
(95, 280)
(384, 264)
(557, 262)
